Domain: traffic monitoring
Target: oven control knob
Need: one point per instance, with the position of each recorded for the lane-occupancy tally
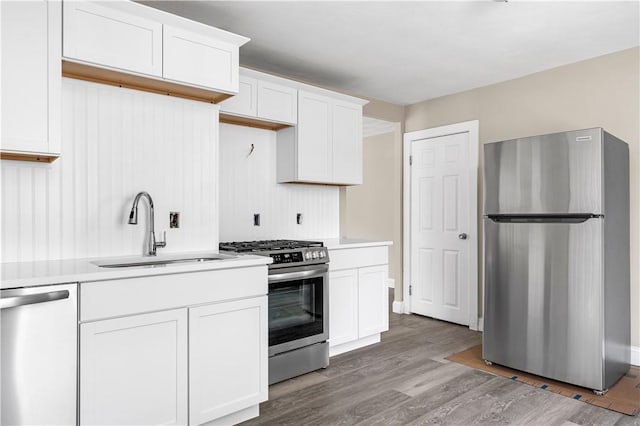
(314, 255)
(307, 255)
(321, 254)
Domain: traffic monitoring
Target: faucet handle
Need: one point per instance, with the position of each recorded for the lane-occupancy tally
(162, 243)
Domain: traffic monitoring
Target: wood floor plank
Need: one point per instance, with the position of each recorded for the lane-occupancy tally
(628, 421)
(428, 401)
(405, 379)
(590, 415)
(297, 383)
(361, 411)
(432, 379)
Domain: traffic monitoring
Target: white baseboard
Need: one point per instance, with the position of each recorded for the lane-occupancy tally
(398, 307)
(355, 344)
(635, 356)
(391, 283)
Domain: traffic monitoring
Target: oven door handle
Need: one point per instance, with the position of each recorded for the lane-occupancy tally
(298, 275)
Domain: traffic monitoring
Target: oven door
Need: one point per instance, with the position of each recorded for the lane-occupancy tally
(298, 307)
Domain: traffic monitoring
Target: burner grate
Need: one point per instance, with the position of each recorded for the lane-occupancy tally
(267, 245)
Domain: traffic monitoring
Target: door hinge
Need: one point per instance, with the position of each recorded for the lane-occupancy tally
(410, 289)
(411, 160)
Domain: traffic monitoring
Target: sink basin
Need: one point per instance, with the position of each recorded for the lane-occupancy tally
(138, 261)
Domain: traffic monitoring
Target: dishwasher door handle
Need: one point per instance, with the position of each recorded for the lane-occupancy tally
(30, 299)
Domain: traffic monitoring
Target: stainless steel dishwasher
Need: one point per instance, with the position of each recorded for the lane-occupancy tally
(39, 355)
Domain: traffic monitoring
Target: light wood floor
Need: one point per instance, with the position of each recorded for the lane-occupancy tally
(405, 380)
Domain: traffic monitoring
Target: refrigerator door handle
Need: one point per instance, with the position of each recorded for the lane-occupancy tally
(543, 218)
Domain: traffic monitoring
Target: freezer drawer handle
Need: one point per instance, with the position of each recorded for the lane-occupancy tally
(462, 236)
(30, 299)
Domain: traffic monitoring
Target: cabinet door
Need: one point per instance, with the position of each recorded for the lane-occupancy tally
(246, 101)
(347, 143)
(373, 300)
(133, 370)
(277, 102)
(343, 306)
(196, 59)
(31, 76)
(314, 138)
(104, 35)
(228, 357)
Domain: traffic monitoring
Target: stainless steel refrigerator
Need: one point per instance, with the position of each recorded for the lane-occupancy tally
(556, 224)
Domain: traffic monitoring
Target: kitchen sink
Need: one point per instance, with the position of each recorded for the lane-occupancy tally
(139, 261)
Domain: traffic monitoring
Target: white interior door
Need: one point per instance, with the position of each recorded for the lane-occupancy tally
(443, 225)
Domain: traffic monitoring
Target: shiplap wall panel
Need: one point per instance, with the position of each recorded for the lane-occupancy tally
(248, 185)
(116, 142)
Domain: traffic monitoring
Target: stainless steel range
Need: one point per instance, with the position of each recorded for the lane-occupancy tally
(298, 304)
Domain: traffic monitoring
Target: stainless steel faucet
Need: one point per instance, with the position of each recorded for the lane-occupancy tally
(133, 220)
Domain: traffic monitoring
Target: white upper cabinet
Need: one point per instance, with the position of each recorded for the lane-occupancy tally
(194, 58)
(263, 97)
(326, 145)
(104, 35)
(134, 39)
(277, 102)
(245, 103)
(347, 143)
(314, 147)
(31, 79)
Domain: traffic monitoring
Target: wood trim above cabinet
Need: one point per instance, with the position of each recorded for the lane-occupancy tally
(138, 82)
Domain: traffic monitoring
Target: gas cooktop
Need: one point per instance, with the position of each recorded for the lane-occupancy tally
(283, 252)
(267, 245)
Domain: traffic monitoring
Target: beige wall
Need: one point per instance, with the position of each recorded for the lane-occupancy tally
(600, 92)
(373, 210)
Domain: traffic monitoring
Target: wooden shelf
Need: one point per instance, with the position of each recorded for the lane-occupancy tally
(28, 156)
(139, 82)
(251, 122)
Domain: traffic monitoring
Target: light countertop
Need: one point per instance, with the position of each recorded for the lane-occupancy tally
(30, 274)
(346, 243)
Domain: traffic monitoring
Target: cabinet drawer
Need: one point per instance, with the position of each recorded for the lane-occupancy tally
(194, 58)
(107, 36)
(277, 102)
(105, 299)
(358, 257)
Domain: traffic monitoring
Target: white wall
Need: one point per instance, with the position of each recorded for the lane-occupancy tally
(248, 185)
(115, 143)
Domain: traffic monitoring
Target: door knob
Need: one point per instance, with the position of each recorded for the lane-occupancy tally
(462, 236)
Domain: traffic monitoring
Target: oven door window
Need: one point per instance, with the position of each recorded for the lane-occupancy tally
(295, 310)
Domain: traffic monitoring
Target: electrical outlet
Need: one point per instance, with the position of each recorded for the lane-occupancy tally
(256, 219)
(299, 218)
(174, 219)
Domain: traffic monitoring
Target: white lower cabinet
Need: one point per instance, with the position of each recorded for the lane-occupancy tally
(343, 306)
(373, 302)
(133, 370)
(174, 349)
(227, 358)
(358, 298)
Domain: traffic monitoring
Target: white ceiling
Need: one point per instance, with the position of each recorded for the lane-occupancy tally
(406, 52)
